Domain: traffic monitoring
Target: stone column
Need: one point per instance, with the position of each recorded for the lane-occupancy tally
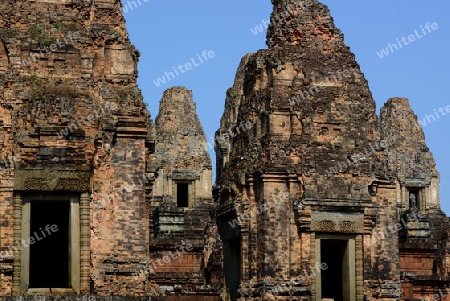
(191, 191)
(359, 269)
(316, 281)
(75, 250)
(422, 199)
(405, 197)
(85, 242)
(174, 191)
(16, 242)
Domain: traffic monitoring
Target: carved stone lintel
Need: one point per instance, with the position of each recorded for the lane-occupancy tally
(337, 222)
(51, 180)
(189, 175)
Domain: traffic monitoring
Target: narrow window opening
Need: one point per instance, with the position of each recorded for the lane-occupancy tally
(49, 249)
(183, 195)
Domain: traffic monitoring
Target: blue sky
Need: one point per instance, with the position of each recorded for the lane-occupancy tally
(173, 32)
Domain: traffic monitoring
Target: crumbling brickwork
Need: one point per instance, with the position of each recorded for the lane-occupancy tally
(73, 121)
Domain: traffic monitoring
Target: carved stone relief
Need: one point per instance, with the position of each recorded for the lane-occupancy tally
(337, 222)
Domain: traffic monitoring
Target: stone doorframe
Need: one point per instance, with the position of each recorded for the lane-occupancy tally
(185, 176)
(67, 184)
(354, 290)
(343, 225)
(79, 242)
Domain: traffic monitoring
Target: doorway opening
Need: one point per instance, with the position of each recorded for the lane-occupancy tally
(183, 195)
(334, 278)
(49, 253)
(232, 258)
(414, 198)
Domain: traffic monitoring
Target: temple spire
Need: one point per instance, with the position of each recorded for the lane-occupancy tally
(295, 22)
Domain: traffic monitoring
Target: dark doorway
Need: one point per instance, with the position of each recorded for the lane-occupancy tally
(232, 258)
(49, 254)
(183, 195)
(332, 253)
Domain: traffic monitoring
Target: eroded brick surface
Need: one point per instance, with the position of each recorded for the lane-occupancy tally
(73, 120)
(348, 174)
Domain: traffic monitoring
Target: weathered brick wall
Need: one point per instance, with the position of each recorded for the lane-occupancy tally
(70, 101)
(421, 263)
(381, 260)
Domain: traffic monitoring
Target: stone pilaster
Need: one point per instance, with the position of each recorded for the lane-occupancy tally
(85, 246)
(17, 238)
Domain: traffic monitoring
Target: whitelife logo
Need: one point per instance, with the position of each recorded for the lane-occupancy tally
(167, 76)
(431, 118)
(31, 240)
(391, 48)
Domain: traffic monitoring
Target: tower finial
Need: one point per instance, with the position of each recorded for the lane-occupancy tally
(294, 21)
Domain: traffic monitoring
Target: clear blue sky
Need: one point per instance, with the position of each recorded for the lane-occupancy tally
(173, 32)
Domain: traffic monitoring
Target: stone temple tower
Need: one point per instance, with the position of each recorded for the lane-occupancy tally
(183, 232)
(322, 199)
(74, 146)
